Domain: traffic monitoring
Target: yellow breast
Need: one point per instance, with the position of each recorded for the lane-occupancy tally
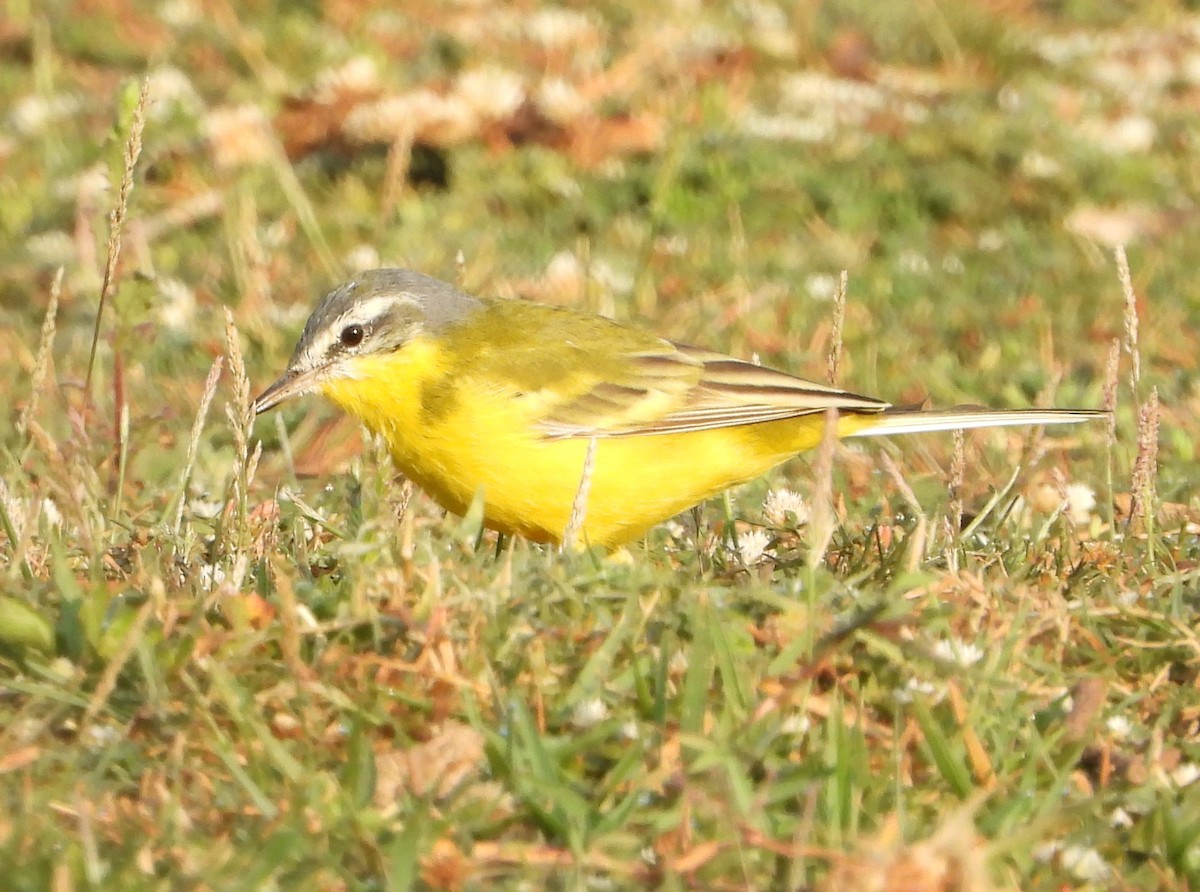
(456, 435)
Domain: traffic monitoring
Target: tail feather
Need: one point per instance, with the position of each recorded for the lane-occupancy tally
(915, 421)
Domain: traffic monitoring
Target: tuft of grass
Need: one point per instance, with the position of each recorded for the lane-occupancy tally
(116, 223)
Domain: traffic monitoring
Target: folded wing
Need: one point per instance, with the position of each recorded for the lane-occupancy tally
(675, 388)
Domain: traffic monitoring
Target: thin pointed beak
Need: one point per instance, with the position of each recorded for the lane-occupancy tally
(290, 384)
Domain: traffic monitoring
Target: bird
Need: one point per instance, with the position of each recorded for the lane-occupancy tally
(565, 423)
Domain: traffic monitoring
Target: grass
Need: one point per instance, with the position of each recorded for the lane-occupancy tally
(241, 655)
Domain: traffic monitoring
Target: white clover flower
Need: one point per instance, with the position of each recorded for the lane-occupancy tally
(491, 92)
(554, 28)
(990, 240)
(752, 547)
(916, 686)
(1118, 726)
(782, 502)
(361, 257)
(444, 120)
(51, 248)
(560, 101)
(564, 271)
(1081, 499)
(35, 114)
(913, 262)
(1044, 852)
(588, 713)
(171, 89)
(1186, 774)
(51, 514)
(211, 576)
(952, 650)
(1040, 167)
(177, 304)
(1085, 863)
(180, 13)
(357, 75)
(205, 508)
(796, 724)
(676, 530)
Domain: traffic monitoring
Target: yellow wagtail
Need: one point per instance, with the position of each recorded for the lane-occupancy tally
(511, 398)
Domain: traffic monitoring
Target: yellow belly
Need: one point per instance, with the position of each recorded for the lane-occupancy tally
(485, 440)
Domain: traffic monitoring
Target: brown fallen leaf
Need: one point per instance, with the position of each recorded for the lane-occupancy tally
(436, 767)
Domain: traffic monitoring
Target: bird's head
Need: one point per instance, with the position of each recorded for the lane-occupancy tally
(375, 313)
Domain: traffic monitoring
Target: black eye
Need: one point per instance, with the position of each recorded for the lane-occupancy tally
(352, 335)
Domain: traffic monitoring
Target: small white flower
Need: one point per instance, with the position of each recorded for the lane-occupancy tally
(752, 547)
(211, 576)
(782, 502)
(629, 731)
(673, 245)
(361, 257)
(1118, 726)
(913, 262)
(180, 13)
(676, 530)
(951, 650)
(915, 686)
(205, 508)
(1128, 598)
(101, 736)
(51, 514)
(796, 724)
(1044, 852)
(177, 303)
(563, 265)
(589, 712)
(34, 114)
(1085, 863)
(171, 89)
(493, 93)
(786, 128)
(990, 240)
(560, 101)
(51, 248)
(1120, 819)
(1039, 166)
(1130, 134)
(1081, 499)
(821, 286)
(555, 28)
(1186, 774)
(422, 113)
(357, 75)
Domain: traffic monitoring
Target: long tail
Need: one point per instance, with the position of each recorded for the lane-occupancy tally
(916, 421)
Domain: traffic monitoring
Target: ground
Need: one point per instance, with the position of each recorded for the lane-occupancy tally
(248, 656)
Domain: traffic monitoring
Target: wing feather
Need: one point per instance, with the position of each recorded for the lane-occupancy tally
(678, 388)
